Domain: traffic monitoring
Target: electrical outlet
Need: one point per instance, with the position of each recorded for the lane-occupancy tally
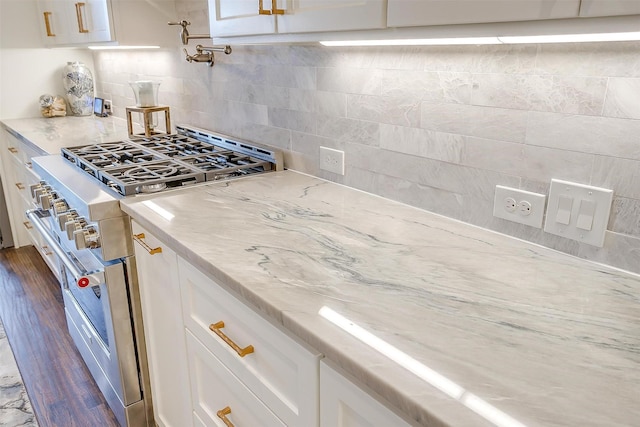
(107, 106)
(519, 206)
(332, 160)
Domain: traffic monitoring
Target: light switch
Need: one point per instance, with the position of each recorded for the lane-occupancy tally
(579, 212)
(564, 210)
(585, 214)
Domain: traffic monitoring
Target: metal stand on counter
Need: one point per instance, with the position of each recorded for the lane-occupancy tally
(147, 117)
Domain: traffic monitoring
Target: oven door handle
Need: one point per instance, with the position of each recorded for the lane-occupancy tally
(82, 277)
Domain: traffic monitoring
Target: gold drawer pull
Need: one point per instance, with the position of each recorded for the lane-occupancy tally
(242, 352)
(46, 250)
(81, 28)
(13, 150)
(29, 165)
(28, 225)
(20, 185)
(152, 251)
(222, 414)
(47, 24)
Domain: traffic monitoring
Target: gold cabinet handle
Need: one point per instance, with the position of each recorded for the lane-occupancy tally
(28, 225)
(20, 185)
(46, 250)
(81, 28)
(29, 165)
(274, 8)
(47, 24)
(12, 150)
(261, 9)
(242, 352)
(222, 414)
(152, 251)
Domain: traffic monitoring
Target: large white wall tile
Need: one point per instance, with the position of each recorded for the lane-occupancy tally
(483, 122)
(623, 98)
(586, 134)
(436, 127)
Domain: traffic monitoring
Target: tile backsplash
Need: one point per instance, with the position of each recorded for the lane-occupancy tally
(434, 127)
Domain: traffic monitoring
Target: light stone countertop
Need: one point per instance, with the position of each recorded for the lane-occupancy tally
(499, 331)
(51, 134)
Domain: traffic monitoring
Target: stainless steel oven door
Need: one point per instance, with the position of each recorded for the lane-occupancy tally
(99, 320)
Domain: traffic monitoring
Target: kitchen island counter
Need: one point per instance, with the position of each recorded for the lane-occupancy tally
(496, 331)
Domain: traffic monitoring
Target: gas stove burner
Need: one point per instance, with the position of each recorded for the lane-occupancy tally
(102, 148)
(151, 188)
(147, 172)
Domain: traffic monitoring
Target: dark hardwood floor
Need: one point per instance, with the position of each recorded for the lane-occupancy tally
(59, 385)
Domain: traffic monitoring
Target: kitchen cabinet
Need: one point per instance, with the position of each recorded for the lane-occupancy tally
(122, 22)
(345, 404)
(275, 378)
(163, 329)
(17, 177)
(410, 13)
(258, 17)
(195, 370)
(593, 8)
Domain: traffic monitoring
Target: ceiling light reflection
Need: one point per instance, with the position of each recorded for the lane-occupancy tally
(439, 381)
(159, 210)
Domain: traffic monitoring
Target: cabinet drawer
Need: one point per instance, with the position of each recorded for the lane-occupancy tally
(214, 388)
(345, 404)
(281, 372)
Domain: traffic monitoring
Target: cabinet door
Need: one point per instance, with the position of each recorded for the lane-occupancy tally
(344, 404)
(164, 333)
(219, 398)
(331, 15)
(91, 23)
(239, 18)
(54, 24)
(407, 13)
(589, 8)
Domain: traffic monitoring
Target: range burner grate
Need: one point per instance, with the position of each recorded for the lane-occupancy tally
(145, 164)
(132, 179)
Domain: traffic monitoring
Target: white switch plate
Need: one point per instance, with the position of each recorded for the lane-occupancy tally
(332, 160)
(520, 206)
(579, 212)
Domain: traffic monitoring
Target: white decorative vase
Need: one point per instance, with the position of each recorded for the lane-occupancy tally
(78, 85)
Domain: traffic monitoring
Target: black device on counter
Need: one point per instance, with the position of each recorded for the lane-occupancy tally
(98, 107)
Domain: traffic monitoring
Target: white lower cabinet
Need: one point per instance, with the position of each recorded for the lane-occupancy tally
(281, 372)
(214, 361)
(344, 404)
(164, 332)
(219, 397)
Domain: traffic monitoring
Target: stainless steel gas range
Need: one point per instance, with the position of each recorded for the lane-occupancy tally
(80, 218)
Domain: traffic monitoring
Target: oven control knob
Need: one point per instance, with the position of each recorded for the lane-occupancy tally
(34, 187)
(40, 191)
(65, 217)
(60, 206)
(86, 238)
(74, 225)
(46, 200)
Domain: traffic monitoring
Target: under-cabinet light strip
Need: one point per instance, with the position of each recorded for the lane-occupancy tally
(556, 38)
(122, 47)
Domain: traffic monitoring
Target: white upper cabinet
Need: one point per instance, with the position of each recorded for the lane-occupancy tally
(592, 8)
(74, 22)
(256, 17)
(124, 22)
(409, 13)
